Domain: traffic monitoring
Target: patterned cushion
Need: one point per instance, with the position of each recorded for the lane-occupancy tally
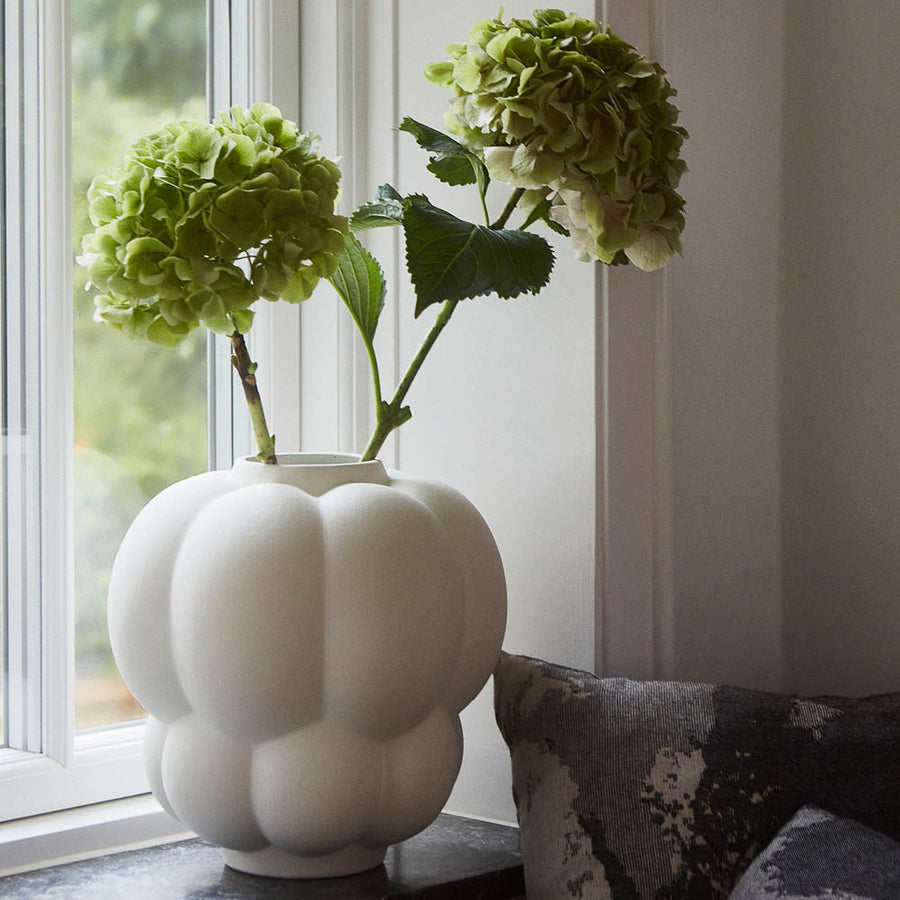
(820, 856)
(664, 790)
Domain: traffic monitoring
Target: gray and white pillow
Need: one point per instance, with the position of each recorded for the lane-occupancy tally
(635, 790)
(820, 856)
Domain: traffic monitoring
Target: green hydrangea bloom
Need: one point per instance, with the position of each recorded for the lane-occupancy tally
(204, 219)
(558, 106)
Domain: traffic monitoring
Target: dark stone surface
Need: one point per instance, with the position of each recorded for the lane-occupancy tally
(452, 858)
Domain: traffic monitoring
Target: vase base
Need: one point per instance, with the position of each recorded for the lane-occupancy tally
(276, 863)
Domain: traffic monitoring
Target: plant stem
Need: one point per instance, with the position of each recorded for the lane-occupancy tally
(442, 319)
(246, 370)
(511, 204)
(392, 415)
(376, 377)
(482, 195)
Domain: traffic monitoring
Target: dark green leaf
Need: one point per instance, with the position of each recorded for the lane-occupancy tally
(385, 210)
(431, 139)
(388, 192)
(453, 170)
(360, 283)
(451, 162)
(450, 259)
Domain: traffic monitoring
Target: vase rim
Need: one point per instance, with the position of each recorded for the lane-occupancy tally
(316, 459)
(315, 473)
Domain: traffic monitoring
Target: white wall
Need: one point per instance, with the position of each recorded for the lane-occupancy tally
(726, 60)
(694, 476)
(841, 300)
(777, 366)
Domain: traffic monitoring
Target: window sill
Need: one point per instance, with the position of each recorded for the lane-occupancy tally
(453, 857)
(86, 832)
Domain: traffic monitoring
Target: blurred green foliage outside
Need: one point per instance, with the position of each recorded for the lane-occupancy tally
(140, 410)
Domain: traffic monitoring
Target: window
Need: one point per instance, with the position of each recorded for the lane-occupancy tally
(93, 425)
(363, 59)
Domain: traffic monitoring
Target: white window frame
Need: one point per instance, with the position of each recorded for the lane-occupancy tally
(74, 795)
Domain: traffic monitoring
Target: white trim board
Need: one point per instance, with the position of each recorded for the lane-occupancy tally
(85, 833)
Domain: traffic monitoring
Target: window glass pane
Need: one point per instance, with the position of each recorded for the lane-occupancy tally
(140, 410)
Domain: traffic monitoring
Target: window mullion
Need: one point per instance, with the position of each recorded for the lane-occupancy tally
(21, 386)
(56, 372)
(228, 68)
(220, 386)
(267, 69)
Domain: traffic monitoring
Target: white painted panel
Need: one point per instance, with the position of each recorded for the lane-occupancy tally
(275, 338)
(725, 58)
(627, 607)
(320, 401)
(635, 637)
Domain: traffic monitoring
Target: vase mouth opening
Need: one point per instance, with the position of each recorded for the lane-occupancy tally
(314, 473)
(316, 459)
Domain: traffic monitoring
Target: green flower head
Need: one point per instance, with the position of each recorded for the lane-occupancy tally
(563, 108)
(204, 219)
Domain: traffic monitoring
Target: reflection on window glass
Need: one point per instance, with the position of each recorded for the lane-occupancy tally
(140, 411)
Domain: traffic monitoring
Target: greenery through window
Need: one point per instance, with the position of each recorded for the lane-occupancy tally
(140, 410)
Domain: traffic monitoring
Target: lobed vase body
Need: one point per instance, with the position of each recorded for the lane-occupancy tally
(303, 637)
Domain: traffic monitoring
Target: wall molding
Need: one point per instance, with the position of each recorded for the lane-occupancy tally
(635, 621)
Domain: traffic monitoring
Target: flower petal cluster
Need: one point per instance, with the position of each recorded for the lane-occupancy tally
(558, 106)
(203, 219)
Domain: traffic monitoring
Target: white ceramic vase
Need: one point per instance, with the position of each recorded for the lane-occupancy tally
(303, 637)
